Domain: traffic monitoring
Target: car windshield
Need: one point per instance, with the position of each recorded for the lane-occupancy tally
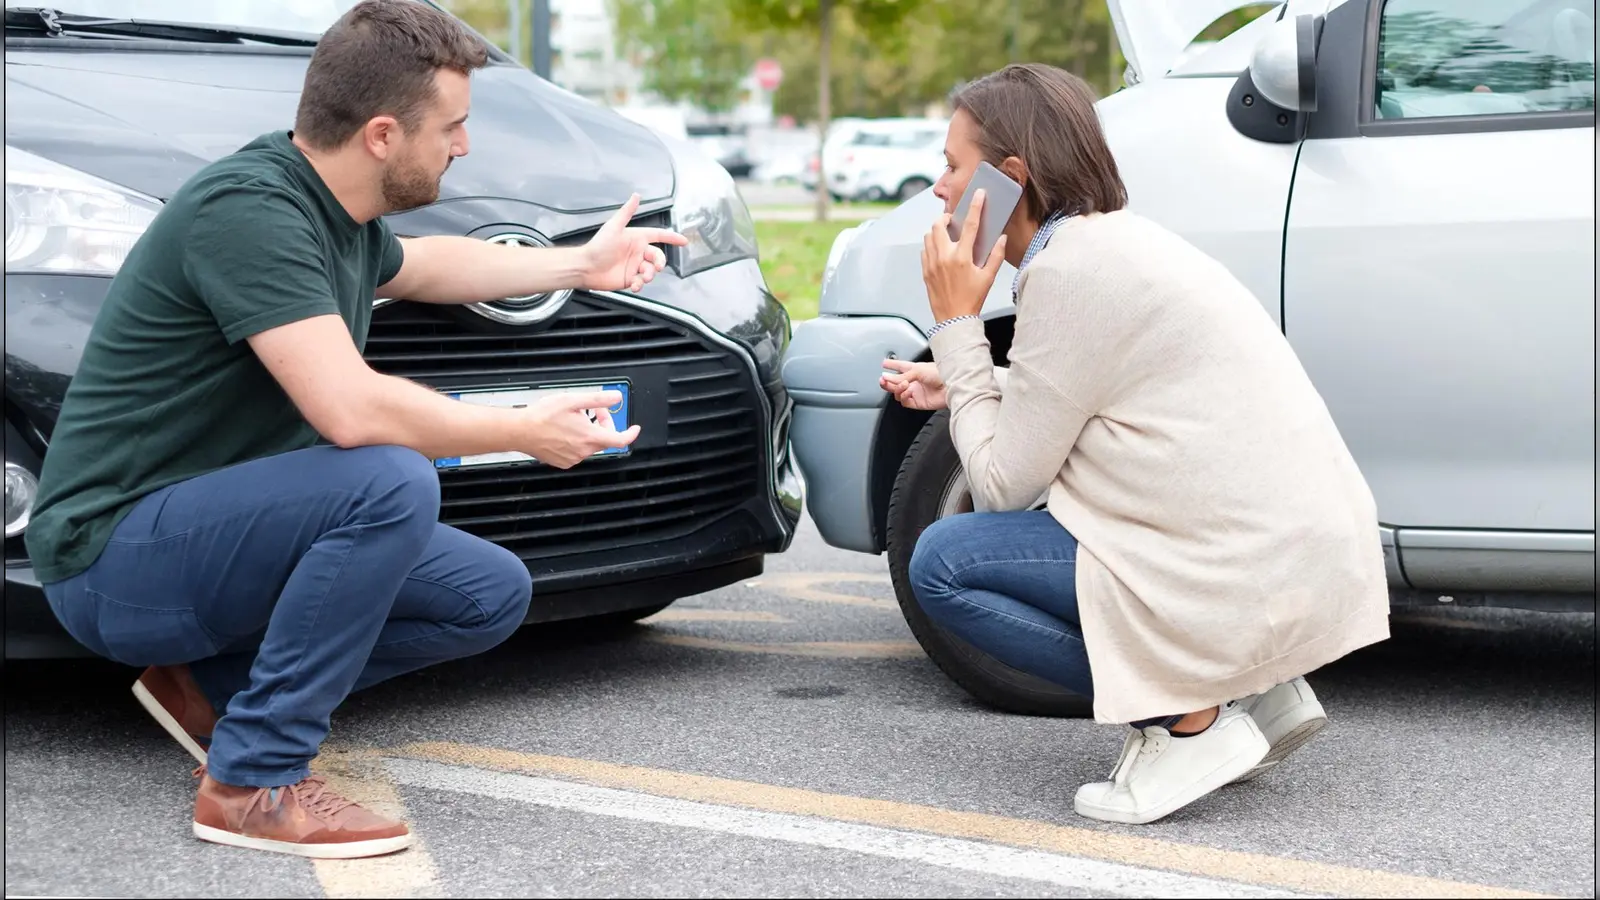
(308, 16)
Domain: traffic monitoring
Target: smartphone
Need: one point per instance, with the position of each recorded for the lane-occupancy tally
(1000, 199)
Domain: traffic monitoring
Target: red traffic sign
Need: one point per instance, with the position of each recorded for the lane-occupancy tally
(768, 74)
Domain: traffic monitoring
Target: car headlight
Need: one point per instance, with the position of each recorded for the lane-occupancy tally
(708, 210)
(22, 489)
(59, 219)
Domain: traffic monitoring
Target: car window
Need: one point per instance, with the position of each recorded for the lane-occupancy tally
(1484, 57)
(871, 139)
(915, 138)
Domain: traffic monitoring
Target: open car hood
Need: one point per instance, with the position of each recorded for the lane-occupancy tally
(1154, 33)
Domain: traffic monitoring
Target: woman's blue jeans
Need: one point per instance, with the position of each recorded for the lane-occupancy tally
(1006, 583)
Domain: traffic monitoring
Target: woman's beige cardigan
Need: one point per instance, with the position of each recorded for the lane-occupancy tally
(1227, 540)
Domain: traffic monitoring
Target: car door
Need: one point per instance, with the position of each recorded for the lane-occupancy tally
(1438, 279)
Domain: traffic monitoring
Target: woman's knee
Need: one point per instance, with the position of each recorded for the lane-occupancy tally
(930, 568)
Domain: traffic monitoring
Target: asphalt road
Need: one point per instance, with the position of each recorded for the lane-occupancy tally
(784, 738)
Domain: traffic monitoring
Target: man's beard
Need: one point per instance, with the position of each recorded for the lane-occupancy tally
(408, 185)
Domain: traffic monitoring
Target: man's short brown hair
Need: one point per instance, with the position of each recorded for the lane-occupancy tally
(1046, 117)
(379, 59)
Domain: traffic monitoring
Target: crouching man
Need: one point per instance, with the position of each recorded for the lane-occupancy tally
(191, 521)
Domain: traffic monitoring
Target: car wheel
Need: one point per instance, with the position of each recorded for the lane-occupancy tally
(912, 187)
(930, 486)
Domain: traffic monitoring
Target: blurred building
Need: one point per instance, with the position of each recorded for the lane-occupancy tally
(584, 60)
(583, 54)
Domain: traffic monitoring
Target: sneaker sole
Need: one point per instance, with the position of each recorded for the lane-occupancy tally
(347, 850)
(167, 722)
(1218, 777)
(1292, 740)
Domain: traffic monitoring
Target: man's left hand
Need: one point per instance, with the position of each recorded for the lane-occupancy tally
(619, 258)
(957, 287)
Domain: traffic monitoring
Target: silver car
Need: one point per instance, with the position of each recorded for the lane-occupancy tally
(1409, 188)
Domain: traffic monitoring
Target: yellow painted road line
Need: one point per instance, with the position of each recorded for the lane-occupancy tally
(673, 614)
(360, 775)
(822, 649)
(803, 586)
(996, 861)
(1107, 846)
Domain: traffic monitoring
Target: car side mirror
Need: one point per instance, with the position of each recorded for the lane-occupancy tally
(1276, 94)
(1284, 67)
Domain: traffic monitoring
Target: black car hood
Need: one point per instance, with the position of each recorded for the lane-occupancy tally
(150, 120)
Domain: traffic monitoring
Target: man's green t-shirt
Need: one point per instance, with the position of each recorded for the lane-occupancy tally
(168, 389)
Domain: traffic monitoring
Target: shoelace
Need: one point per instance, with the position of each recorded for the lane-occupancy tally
(1138, 747)
(313, 793)
(1154, 744)
(1131, 745)
(317, 798)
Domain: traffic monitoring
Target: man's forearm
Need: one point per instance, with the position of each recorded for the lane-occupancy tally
(401, 412)
(466, 270)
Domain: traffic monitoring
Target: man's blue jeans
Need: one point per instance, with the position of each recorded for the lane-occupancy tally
(287, 582)
(1006, 583)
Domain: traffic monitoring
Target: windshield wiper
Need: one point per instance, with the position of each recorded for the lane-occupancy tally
(55, 23)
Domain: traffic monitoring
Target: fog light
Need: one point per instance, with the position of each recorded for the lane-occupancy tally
(21, 490)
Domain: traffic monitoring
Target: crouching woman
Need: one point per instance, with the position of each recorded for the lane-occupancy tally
(1206, 539)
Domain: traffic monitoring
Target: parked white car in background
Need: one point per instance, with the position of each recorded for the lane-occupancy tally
(840, 132)
(897, 165)
(1408, 186)
(850, 140)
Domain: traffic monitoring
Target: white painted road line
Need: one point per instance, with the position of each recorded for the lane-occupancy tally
(999, 861)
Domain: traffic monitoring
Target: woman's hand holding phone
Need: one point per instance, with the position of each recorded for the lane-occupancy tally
(957, 287)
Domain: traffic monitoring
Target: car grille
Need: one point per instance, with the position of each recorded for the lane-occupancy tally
(709, 462)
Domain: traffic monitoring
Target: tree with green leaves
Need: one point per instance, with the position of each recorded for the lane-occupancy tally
(873, 18)
(490, 18)
(690, 50)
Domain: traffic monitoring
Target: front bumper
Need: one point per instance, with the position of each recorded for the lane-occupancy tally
(33, 632)
(695, 506)
(832, 372)
(710, 454)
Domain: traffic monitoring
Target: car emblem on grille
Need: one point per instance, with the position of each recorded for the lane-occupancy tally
(522, 310)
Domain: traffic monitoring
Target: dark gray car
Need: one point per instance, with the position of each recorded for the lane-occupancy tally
(112, 104)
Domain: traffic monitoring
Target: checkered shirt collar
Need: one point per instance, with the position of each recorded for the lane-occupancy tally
(1040, 238)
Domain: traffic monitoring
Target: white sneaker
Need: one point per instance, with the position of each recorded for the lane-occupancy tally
(1159, 774)
(1288, 716)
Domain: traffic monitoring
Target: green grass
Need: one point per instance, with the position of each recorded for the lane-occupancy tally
(793, 255)
(875, 209)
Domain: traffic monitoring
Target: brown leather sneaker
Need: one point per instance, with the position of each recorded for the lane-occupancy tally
(303, 819)
(172, 698)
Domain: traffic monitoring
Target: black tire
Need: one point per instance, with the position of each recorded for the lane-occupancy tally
(912, 187)
(928, 471)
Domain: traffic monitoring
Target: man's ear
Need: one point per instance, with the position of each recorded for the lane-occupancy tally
(380, 135)
(1015, 169)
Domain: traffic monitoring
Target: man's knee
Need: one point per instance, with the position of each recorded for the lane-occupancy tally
(399, 480)
(507, 591)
